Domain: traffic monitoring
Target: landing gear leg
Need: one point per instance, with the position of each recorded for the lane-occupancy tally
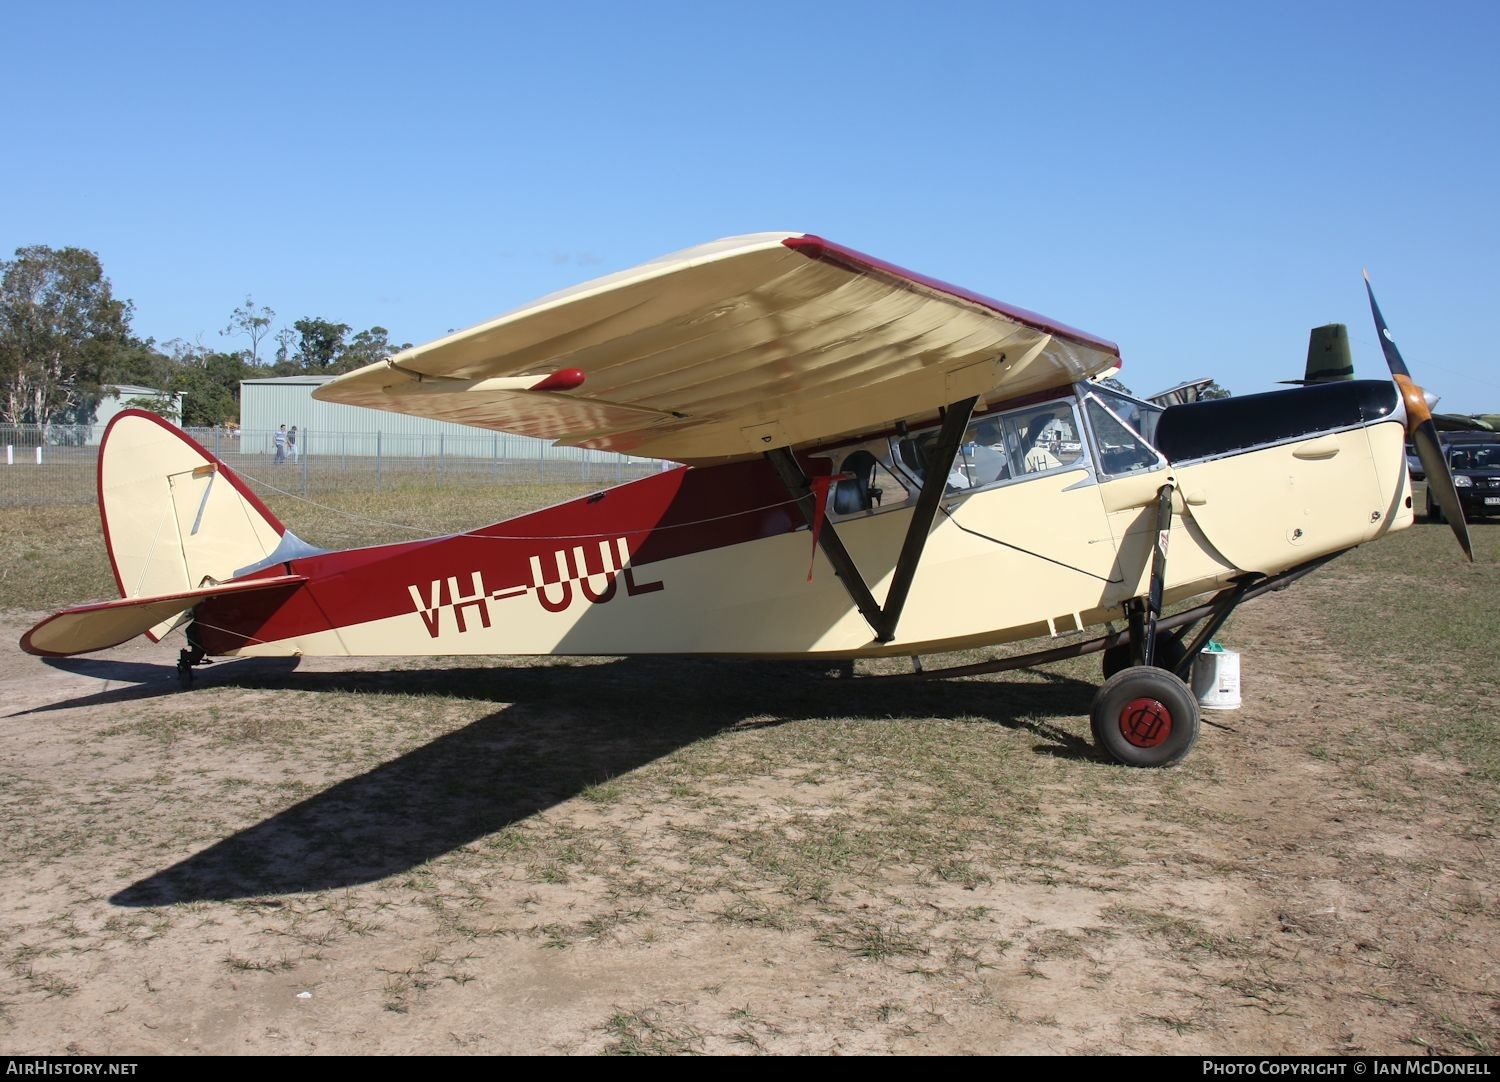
(1146, 647)
(1145, 715)
(1167, 652)
(193, 655)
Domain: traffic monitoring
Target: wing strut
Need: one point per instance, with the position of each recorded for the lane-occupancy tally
(796, 482)
(944, 453)
(934, 484)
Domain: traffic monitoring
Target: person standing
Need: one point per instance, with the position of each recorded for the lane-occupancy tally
(291, 444)
(280, 441)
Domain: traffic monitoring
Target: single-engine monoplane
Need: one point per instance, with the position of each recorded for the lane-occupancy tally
(872, 463)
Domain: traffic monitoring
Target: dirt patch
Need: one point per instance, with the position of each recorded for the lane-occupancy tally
(346, 857)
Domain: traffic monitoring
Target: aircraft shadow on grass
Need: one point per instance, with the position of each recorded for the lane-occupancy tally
(564, 727)
(147, 680)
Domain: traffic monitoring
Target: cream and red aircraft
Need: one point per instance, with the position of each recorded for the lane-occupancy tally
(876, 463)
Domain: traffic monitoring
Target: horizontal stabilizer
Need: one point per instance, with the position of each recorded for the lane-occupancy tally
(87, 628)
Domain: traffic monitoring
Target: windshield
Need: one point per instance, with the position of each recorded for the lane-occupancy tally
(1123, 428)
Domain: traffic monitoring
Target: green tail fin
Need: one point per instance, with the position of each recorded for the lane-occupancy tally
(1328, 357)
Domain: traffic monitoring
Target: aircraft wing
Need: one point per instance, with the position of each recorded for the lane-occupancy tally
(727, 350)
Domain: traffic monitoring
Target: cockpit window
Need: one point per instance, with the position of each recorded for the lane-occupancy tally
(1140, 416)
(1118, 422)
(872, 484)
(1020, 443)
(997, 448)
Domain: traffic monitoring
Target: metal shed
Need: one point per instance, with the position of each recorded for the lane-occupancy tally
(331, 428)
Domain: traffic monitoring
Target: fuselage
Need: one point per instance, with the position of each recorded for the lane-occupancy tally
(1046, 526)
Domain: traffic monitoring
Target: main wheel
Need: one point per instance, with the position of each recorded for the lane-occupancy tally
(1167, 653)
(1434, 512)
(1145, 716)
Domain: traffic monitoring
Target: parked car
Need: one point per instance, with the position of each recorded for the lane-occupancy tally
(1475, 460)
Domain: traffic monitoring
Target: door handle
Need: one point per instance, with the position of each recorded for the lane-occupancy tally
(1322, 447)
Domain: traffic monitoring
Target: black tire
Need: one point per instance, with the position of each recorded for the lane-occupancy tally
(1434, 512)
(1167, 653)
(1145, 716)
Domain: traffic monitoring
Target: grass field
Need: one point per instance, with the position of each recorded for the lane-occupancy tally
(655, 856)
(68, 476)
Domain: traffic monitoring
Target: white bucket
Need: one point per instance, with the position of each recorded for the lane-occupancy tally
(1216, 680)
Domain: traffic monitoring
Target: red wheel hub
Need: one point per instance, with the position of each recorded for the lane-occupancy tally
(1145, 722)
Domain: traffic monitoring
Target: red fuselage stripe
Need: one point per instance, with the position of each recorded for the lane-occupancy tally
(585, 541)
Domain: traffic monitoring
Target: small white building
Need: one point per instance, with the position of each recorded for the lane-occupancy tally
(116, 397)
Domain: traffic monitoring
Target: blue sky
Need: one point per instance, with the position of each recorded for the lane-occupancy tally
(1199, 182)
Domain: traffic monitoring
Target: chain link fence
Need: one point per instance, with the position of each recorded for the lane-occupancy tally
(59, 465)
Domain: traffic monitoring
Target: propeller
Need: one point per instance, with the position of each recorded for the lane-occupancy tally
(1423, 431)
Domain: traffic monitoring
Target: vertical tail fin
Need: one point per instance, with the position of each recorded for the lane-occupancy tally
(175, 518)
(1328, 359)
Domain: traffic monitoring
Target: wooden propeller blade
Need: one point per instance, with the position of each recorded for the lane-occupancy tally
(1423, 431)
(1440, 482)
(1387, 341)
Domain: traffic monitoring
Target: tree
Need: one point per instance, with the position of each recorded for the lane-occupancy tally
(209, 382)
(210, 391)
(253, 322)
(367, 347)
(162, 404)
(320, 344)
(1213, 390)
(59, 326)
(138, 362)
(285, 339)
